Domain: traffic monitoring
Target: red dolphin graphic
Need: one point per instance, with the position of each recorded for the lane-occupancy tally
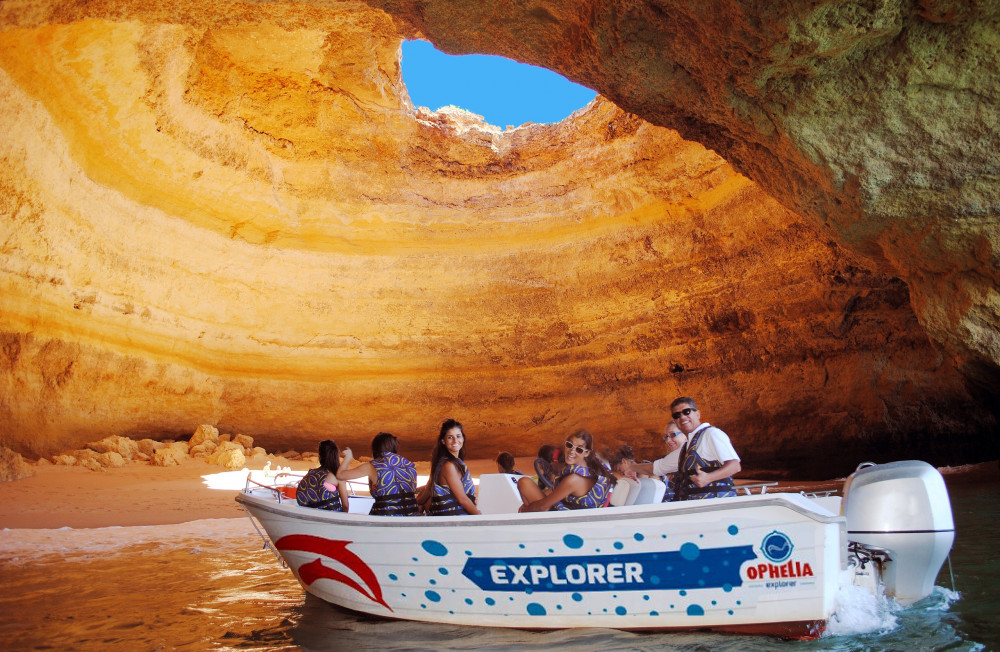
(338, 551)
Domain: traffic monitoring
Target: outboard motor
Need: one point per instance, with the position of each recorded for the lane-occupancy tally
(902, 512)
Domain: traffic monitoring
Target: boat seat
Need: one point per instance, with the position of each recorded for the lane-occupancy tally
(619, 493)
(634, 494)
(498, 493)
(651, 491)
(624, 493)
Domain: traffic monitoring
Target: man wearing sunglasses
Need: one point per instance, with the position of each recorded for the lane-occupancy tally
(700, 461)
(708, 461)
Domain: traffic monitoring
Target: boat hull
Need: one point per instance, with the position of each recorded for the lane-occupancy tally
(752, 564)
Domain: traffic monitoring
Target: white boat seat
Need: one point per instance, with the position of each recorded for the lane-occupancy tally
(622, 491)
(498, 493)
(651, 491)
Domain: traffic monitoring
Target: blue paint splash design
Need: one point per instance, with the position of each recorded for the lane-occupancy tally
(435, 548)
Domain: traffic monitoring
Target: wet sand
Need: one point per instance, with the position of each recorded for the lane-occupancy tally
(139, 494)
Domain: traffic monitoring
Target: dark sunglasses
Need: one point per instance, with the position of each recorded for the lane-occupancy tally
(686, 411)
(579, 449)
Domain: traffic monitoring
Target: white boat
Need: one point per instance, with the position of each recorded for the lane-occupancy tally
(764, 564)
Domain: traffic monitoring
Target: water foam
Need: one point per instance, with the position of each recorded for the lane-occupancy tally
(858, 611)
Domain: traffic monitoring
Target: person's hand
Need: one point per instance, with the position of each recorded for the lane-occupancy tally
(631, 474)
(347, 453)
(700, 478)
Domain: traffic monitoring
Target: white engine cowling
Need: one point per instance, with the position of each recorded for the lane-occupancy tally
(903, 508)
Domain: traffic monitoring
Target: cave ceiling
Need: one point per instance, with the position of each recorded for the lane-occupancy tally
(231, 213)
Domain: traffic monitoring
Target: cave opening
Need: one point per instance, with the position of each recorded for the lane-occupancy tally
(504, 92)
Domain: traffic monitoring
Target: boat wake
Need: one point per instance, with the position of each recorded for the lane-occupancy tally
(859, 611)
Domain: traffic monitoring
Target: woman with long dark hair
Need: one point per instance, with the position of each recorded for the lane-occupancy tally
(450, 490)
(392, 478)
(584, 482)
(320, 487)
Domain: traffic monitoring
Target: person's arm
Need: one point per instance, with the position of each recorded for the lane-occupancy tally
(423, 497)
(344, 473)
(343, 490)
(639, 467)
(453, 479)
(570, 484)
(702, 479)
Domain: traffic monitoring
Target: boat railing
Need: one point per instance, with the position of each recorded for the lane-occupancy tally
(826, 493)
(748, 488)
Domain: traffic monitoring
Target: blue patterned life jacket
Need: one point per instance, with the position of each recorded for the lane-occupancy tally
(396, 482)
(443, 502)
(691, 461)
(596, 497)
(312, 493)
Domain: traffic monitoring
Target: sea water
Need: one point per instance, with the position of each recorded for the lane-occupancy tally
(212, 585)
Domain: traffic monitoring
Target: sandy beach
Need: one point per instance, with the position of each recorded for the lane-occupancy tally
(139, 494)
(142, 494)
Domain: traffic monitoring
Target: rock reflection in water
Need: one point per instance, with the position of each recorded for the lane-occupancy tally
(93, 590)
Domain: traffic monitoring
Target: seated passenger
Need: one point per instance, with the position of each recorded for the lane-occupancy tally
(665, 467)
(320, 486)
(583, 483)
(545, 467)
(450, 490)
(392, 479)
(505, 464)
(623, 463)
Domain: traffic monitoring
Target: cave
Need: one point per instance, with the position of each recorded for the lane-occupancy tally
(231, 213)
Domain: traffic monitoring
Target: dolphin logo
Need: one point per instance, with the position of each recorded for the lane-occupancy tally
(336, 550)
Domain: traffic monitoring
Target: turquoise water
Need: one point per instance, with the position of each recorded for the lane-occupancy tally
(210, 585)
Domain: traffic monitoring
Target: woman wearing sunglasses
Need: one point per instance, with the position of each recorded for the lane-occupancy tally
(583, 483)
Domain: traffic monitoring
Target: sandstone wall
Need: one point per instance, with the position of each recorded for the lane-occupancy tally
(230, 213)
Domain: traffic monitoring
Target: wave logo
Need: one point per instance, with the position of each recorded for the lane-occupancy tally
(338, 552)
(776, 546)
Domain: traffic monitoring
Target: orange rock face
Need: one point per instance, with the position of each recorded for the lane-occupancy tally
(232, 214)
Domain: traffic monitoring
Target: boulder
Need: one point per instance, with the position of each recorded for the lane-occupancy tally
(229, 446)
(148, 446)
(124, 446)
(91, 463)
(258, 452)
(225, 437)
(85, 454)
(228, 458)
(204, 433)
(141, 457)
(246, 441)
(168, 456)
(13, 466)
(111, 460)
(180, 446)
(64, 460)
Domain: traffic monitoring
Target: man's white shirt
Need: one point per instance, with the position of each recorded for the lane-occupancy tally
(714, 446)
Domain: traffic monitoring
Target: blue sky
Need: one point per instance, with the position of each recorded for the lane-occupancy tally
(504, 92)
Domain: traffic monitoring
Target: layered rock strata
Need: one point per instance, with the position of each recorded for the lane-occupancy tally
(877, 121)
(231, 214)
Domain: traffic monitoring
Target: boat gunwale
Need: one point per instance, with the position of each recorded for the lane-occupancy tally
(632, 512)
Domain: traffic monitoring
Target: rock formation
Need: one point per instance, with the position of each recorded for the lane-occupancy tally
(230, 213)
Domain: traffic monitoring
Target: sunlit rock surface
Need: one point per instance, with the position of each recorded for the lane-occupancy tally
(231, 214)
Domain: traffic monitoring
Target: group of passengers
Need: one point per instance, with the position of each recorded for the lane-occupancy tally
(700, 462)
